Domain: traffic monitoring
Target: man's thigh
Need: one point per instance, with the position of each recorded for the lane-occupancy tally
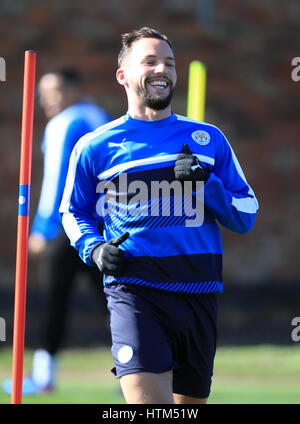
(184, 400)
(145, 350)
(150, 388)
(147, 388)
(195, 349)
(139, 343)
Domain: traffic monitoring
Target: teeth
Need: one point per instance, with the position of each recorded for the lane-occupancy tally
(159, 83)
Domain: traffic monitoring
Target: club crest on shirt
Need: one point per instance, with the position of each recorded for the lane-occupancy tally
(201, 137)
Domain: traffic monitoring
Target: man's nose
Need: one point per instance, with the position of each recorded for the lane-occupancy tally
(160, 68)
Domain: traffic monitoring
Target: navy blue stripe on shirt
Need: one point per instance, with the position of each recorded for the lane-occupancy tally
(191, 288)
(190, 272)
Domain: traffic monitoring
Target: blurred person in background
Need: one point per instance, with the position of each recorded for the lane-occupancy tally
(70, 115)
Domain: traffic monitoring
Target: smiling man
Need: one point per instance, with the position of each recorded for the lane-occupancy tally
(161, 276)
(148, 75)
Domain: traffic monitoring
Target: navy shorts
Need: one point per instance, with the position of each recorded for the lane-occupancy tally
(157, 331)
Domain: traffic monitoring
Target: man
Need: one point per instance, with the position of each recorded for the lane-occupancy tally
(70, 117)
(162, 270)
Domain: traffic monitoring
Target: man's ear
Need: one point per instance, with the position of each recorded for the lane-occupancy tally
(120, 75)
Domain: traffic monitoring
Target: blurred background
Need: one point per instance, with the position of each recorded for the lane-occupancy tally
(248, 47)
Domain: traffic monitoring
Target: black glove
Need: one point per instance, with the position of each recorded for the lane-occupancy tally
(108, 258)
(189, 168)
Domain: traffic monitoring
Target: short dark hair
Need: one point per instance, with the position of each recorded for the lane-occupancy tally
(138, 34)
(70, 76)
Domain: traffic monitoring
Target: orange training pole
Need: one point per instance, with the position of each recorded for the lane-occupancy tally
(23, 226)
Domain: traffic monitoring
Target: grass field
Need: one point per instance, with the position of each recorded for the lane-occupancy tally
(249, 375)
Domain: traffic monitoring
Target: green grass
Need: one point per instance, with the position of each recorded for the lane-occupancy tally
(253, 375)
(257, 375)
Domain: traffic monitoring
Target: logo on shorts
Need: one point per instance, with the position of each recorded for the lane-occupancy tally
(201, 137)
(125, 353)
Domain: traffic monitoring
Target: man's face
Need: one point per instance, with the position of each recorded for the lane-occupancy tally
(51, 94)
(150, 75)
(56, 95)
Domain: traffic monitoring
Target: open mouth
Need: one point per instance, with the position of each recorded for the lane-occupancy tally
(160, 83)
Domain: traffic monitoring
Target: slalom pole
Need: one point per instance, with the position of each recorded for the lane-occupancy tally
(23, 226)
(196, 90)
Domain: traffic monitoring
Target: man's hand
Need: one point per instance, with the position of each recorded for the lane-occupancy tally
(188, 167)
(108, 258)
(36, 244)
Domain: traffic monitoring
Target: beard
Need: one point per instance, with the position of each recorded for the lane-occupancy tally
(155, 102)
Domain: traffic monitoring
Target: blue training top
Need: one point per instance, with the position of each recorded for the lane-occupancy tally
(61, 134)
(169, 248)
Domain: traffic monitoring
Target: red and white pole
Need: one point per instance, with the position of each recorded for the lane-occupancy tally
(23, 226)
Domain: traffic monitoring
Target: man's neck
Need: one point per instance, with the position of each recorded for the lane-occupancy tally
(147, 114)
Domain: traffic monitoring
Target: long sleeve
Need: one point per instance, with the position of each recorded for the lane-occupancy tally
(61, 134)
(162, 251)
(57, 146)
(78, 206)
(228, 196)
